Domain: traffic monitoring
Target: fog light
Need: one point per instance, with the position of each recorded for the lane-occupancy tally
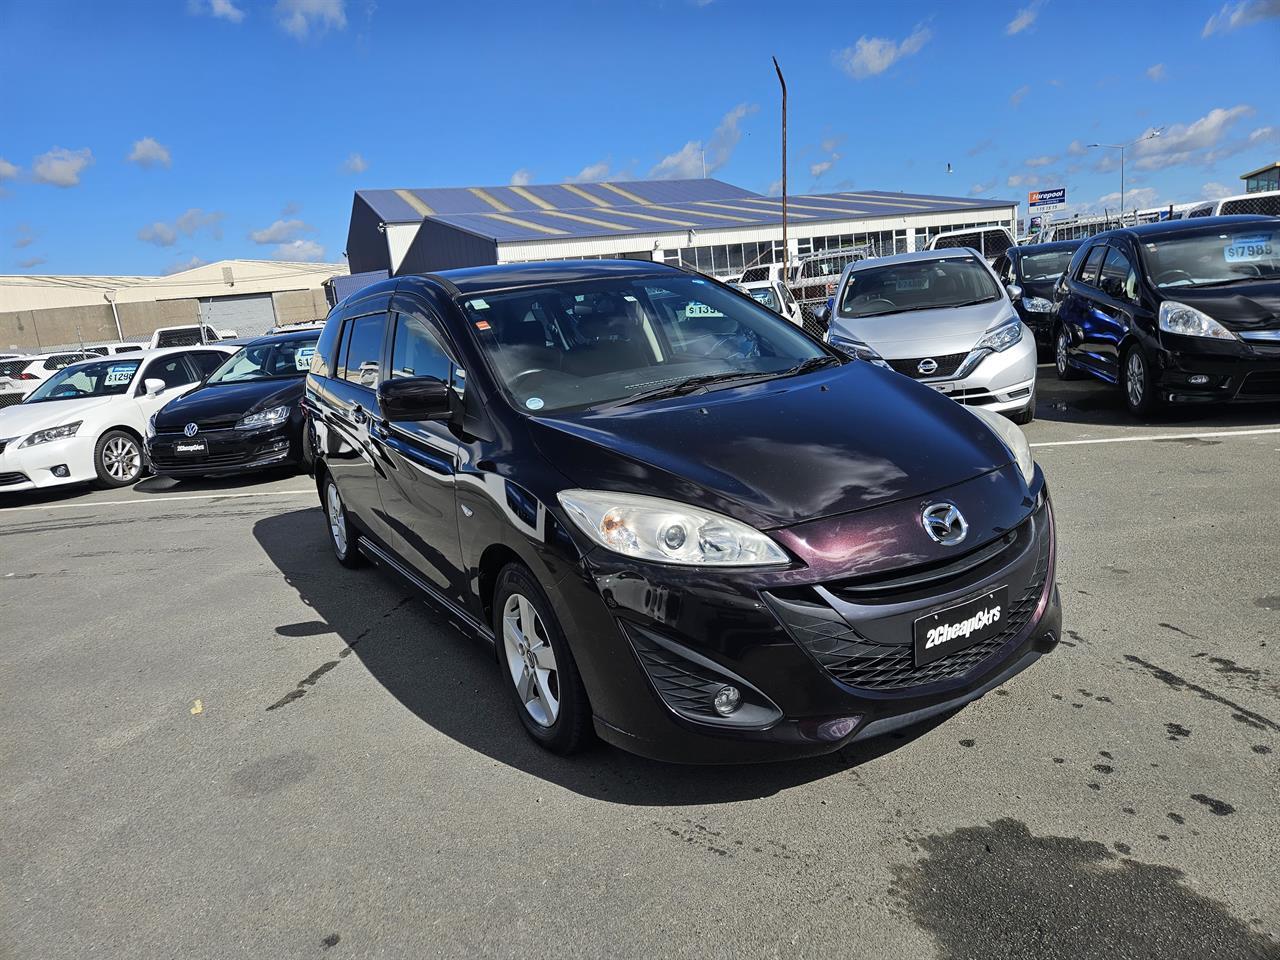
(728, 700)
(837, 729)
(61, 470)
(1198, 380)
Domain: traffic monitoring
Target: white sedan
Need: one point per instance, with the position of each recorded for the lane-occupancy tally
(87, 421)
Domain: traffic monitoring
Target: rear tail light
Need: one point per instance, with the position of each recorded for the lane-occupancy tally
(27, 376)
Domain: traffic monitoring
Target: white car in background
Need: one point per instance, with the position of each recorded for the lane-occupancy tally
(87, 421)
(774, 295)
(22, 374)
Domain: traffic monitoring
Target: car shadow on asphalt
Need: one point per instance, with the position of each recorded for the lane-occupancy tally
(451, 681)
(1087, 401)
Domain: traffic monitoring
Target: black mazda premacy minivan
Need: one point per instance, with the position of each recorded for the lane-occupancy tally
(684, 525)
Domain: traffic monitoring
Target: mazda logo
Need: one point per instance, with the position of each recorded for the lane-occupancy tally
(944, 523)
(927, 366)
(191, 429)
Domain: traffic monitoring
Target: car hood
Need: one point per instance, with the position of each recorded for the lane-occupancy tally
(1240, 306)
(925, 333)
(219, 401)
(781, 452)
(24, 418)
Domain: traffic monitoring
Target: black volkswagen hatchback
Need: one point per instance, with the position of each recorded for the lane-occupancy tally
(1029, 272)
(684, 525)
(246, 416)
(1186, 311)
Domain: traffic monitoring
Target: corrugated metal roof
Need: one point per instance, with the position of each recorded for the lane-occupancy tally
(577, 210)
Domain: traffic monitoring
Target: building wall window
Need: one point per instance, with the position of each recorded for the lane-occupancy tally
(724, 259)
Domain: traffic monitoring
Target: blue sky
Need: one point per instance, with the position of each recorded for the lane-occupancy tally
(138, 137)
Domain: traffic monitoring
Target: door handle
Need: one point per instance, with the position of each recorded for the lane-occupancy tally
(358, 414)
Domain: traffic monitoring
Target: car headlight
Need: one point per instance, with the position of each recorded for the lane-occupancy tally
(1037, 305)
(664, 531)
(1011, 437)
(1002, 337)
(53, 433)
(151, 426)
(1189, 322)
(264, 418)
(854, 347)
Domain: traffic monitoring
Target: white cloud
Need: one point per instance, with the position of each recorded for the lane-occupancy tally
(300, 18)
(194, 221)
(1023, 180)
(148, 152)
(26, 236)
(221, 9)
(355, 164)
(1203, 141)
(60, 167)
(522, 177)
(1216, 191)
(870, 56)
(1263, 135)
(8, 171)
(282, 231)
(306, 250)
(1133, 198)
(1240, 14)
(159, 233)
(30, 262)
(818, 169)
(592, 172)
(1025, 18)
(775, 189)
(981, 189)
(1019, 95)
(1041, 161)
(1076, 149)
(689, 161)
(180, 265)
(1157, 72)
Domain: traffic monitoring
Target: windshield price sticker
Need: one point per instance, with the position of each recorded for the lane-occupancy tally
(1245, 248)
(121, 373)
(302, 359)
(696, 309)
(912, 283)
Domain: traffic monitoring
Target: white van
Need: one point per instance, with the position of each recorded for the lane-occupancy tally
(991, 242)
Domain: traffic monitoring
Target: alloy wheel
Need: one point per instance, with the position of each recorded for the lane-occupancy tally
(122, 459)
(337, 518)
(530, 660)
(1135, 380)
(1061, 353)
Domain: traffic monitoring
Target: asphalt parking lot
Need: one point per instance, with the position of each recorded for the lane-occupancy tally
(217, 742)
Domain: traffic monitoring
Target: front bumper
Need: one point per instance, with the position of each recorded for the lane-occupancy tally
(229, 451)
(1244, 372)
(1001, 382)
(822, 659)
(32, 468)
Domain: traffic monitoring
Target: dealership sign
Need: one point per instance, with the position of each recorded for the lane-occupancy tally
(1042, 201)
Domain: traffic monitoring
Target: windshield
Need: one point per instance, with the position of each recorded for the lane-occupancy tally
(104, 378)
(917, 285)
(275, 360)
(1213, 256)
(1045, 266)
(766, 296)
(587, 343)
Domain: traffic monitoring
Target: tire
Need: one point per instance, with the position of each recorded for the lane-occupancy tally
(1138, 383)
(342, 532)
(1061, 341)
(117, 458)
(537, 666)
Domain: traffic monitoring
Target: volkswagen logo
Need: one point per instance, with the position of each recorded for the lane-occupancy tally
(944, 523)
(191, 429)
(927, 366)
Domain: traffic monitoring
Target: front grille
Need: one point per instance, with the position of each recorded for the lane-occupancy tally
(687, 687)
(205, 425)
(9, 479)
(211, 460)
(1261, 385)
(858, 662)
(947, 365)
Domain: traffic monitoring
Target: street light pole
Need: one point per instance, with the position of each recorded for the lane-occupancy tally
(1122, 147)
(786, 250)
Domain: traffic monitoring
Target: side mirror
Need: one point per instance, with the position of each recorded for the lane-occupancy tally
(1015, 292)
(415, 399)
(153, 386)
(821, 313)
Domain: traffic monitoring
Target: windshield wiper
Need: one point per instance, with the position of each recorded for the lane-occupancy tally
(689, 384)
(804, 366)
(970, 303)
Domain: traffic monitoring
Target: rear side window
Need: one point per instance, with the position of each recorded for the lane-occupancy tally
(1118, 278)
(361, 361)
(1092, 265)
(207, 361)
(62, 359)
(417, 352)
(173, 370)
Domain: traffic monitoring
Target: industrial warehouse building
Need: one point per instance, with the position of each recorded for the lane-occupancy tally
(40, 313)
(706, 224)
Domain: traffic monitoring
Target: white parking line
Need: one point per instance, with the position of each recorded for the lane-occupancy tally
(1167, 436)
(128, 503)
